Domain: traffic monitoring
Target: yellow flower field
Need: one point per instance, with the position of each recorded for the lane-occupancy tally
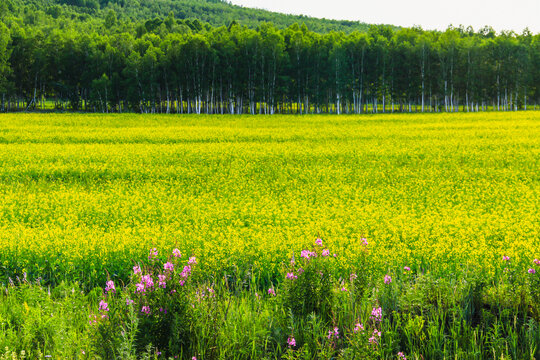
(85, 194)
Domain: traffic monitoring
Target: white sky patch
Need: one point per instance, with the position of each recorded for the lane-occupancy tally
(430, 14)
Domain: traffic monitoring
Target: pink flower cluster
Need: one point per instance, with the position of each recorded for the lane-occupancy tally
(291, 276)
(176, 253)
(364, 242)
(325, 252)
(291, 341)
(318, 242)
(358, 327)
(376, 314)
(506, 258)
(103, 306)
(401, 356)
(532, 271)
(387, 279)
(109, 287)
(168, 266)
(536, 261)
(333, 333)
(146, 310)
(153, 254)
(271, 292)
(406, 268)
(374, 338)
(162, 281)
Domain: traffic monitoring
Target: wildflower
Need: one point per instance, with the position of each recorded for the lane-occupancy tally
(104, 316)
(364, 242)
(333, 333)
(181, 282)
(532, 271)
(192, 260)
(353, 277)
(318, 242)
(147, 281)
(211, 292)
(193, 358)
(292, 260)
(387, 279)
(401, 356)
(343, 289)
(129, 302)
(373, 340)
(186, 271)
(137, 270)
(103, 306)
(506, 258)
(291, 276)
(291, 341)
(305, 254)
(162, 281)
(325, 252)
(177, 253)
(271, 292)
(300, 270)
(335, 255)
(376, 333)
(109, 286)
(358, 327)
(257, 295)
(139, 288)
(376, 314)
(153, 254)
(406, 268)
(168, 266)
(536, 261)
(145, 310)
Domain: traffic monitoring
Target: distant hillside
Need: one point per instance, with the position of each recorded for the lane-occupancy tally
(214, 12)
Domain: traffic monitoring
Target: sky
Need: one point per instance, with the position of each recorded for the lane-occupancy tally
(429, 14)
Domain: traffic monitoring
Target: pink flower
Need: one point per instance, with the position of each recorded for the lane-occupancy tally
(333, 333)
(110, 286)
(137, 270)
(162, 281)
(168, 266)
(358, 327)
(536, 261)
(376, 333)
(291, 341)
(186, 271)
(343, 289)
(364, 242)
(506, 258)
(372, 340)
(335, 255)
(192, 260)
(406, 268)
(271, 292)
(291, 276)
(300, 270)
(353, 277)
(401, 356)
(139, 288)
(325, 252)
(387, 279)
(305, 254)
(532, 271)
(147, 281)
(177, 253)
(193, 358)
(129, 302)
(145, 310)
(181, 282)
(318, 242)
(103, 306)
(153, 254)
(376, 314)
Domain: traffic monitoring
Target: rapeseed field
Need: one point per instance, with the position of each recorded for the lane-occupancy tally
(84, 196)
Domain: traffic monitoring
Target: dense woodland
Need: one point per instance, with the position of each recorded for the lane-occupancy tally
(104, 56)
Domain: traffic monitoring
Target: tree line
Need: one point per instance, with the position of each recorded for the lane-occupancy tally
(181, 66)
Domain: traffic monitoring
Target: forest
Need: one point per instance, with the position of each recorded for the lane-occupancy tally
(97, 56)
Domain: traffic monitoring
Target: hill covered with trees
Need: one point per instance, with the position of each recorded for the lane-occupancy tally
(127, 55)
